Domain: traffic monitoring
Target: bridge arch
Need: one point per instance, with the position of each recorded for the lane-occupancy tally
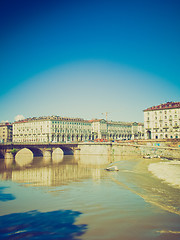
(36, 151)
(67, 150)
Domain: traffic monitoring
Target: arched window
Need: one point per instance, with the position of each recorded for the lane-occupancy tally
(149, 134)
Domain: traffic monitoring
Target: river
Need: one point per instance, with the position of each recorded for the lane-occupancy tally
(76, 198)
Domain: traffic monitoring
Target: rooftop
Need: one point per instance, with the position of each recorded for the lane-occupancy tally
(54, 118)
(5, 124)
(168, 105)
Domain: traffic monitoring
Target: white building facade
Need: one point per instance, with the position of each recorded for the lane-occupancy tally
(60, 129)
(113, 130)
(51, 129)
(162, 121)
(119, 130)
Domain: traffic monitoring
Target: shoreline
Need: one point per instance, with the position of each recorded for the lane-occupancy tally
(167, 171)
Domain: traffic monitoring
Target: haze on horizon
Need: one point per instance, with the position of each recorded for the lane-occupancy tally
(85, 58)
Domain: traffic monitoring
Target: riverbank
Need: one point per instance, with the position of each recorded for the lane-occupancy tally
(128, 204)
(167, 171)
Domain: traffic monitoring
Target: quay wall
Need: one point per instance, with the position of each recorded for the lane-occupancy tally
(128, 150)
(93, 148)
(164, 152)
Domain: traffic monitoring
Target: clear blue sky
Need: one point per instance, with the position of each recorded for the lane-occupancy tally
(84, 58)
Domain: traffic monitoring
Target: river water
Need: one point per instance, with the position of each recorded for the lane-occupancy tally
(76, 198)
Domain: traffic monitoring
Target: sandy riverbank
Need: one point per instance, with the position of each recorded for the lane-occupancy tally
(167, 171)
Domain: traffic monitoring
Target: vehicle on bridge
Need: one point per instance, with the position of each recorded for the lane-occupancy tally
(100, 140)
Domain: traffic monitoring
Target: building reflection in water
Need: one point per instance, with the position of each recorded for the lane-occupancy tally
(7, 163)
(57, 155)
(59, 170)
(24, 157)
(95, 160)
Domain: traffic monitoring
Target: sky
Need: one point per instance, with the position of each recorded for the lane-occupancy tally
(85, 58)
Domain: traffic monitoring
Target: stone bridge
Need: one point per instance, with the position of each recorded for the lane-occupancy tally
(9, 150)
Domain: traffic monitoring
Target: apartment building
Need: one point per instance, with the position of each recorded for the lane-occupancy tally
(61, 129)
(5, 132)
(119, 130)
(51, 129)
(137, 131)
(162, 121)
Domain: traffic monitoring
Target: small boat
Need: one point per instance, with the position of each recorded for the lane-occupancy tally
(112, 168)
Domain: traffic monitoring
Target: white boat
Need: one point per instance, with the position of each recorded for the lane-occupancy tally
(112, 168)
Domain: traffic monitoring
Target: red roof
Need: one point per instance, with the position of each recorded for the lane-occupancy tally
(168, 105)
(96, 120)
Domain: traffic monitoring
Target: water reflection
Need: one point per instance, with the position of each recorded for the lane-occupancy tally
(58, 170)
(38, 225)
(24, 157)
(112, 209)
(7, 163)
(5, 196)
(95, 160)
(57, 155)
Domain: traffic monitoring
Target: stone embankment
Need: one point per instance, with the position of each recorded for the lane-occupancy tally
(164, 149)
